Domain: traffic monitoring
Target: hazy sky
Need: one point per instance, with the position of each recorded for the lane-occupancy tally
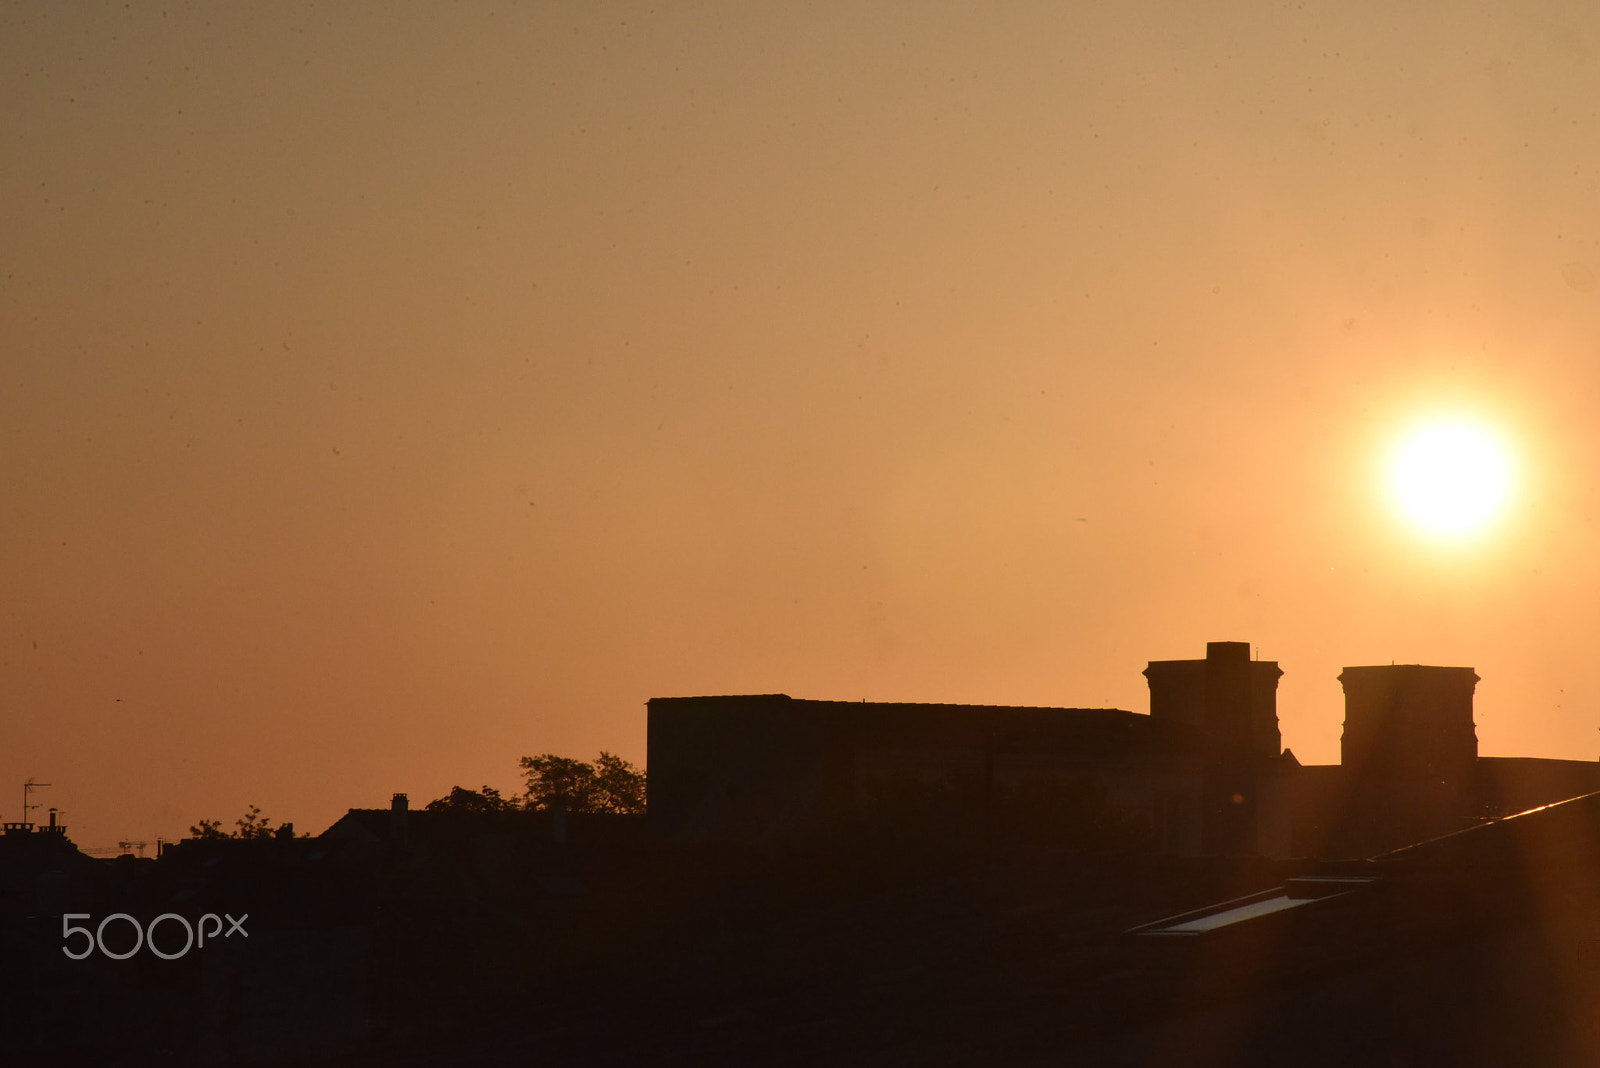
(389, 391)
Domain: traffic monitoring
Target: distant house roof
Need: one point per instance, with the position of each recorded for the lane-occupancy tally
(362, 825)
(378, 824)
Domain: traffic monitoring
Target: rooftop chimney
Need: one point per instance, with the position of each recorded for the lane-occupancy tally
(1409, 721)
(399, 820)
(1233, 697)
(1228, 694)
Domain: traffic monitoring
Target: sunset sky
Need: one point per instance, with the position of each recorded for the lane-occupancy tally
(391, 391)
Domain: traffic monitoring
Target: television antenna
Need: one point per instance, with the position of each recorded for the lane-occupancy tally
(27, 788)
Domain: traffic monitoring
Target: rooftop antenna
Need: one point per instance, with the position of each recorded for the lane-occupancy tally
(27, 788)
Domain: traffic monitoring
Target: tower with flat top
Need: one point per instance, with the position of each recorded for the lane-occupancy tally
(1234, 700)
(1410, 748)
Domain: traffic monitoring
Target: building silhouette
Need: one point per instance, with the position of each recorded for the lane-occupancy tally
(1409, 767)
(1203, 773)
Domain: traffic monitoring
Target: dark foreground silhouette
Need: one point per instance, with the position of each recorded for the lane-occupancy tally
(543, 938)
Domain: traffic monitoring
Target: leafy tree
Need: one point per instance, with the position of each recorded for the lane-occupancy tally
(460, 799)
(207, 829)
(611, 784)
(558, 782)
(619, 786)
(253, 825)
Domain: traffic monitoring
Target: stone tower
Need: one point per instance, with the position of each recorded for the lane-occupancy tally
(1410, 748)
(1235, 701)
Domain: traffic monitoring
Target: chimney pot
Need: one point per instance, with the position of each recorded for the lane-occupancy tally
(399, 829)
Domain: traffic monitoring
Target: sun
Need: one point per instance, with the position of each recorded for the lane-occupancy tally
(1450, 477)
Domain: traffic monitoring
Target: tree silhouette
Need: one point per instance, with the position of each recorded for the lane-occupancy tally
(460, 799)
(251, 825)
(610, 784)
(619, 786)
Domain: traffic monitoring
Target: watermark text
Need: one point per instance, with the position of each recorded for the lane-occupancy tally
(144, 937)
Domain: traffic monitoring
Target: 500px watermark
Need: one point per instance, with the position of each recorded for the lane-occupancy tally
(146, 936)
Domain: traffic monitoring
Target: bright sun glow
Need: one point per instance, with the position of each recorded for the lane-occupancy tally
(1450, 477)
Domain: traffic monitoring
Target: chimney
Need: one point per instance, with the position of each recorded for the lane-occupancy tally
(1409, 721)
(1410, 750)
(1228, 695)
(399, 822)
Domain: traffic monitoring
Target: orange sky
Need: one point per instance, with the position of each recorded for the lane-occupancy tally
(388, 395)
